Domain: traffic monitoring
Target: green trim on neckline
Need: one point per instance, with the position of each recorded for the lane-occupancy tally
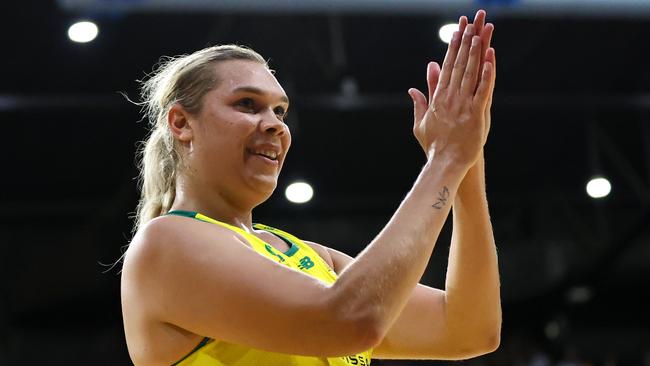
(191, 214)
(203, 343)
(292, 250)
(293, 247)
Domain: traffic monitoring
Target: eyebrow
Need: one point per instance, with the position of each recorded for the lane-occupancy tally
(258, 91)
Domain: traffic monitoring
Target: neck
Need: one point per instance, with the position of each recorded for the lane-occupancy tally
(215, 204)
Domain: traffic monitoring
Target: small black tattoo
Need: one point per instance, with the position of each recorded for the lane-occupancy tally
(442, 198)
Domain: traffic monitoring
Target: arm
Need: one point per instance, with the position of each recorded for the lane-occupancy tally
(459, 95)
(423, 329)
(472, 285)
(473, 288)
(465, 319)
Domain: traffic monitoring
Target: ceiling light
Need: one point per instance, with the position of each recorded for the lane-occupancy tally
(299, 192)
(446, 31)
(83, 32)
(598, 187)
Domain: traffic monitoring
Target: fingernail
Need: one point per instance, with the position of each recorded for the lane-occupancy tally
(455, 37)
(469, 29)
(476, 40)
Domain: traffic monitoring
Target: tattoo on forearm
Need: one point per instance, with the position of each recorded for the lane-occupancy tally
(443, 196)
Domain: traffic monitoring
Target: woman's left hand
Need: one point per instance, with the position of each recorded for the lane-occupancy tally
(420, 101)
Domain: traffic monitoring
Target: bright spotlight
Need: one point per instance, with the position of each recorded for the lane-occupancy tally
(598, 187)
(83, 32)
(446, 31)
(299, 192)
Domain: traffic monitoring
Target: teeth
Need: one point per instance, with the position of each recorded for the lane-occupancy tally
(267, 153)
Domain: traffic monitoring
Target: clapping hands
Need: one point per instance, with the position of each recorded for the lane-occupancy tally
(454, 120)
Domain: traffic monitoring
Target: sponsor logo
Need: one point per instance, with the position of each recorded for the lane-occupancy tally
(306, 263)
(356, 360)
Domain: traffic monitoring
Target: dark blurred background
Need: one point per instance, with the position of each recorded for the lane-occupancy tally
(572, 102)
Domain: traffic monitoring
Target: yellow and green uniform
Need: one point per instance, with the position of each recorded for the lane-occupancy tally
(300, 256)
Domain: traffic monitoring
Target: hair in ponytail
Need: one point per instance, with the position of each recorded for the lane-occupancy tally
(185, 80)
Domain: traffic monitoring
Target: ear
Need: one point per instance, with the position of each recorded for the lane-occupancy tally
(178, 121)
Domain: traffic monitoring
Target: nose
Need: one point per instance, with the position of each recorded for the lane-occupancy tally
(271, 124)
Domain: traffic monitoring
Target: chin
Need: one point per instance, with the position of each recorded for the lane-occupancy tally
(264, 185)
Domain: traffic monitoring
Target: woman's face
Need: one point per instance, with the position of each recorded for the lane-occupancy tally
(239, 139)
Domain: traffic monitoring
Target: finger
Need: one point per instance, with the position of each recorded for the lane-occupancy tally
(419, 104)
(486, 85)
(461, 60)
(488, 105)
(486, 39)
(482, 92)
(462, 23)
(486, 36)
(433, 73)
(490, 57)
(468, 82)
(483, 30)
(479, 21)
(487, 117)
(450, 57)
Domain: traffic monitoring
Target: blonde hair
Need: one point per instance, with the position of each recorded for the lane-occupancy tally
(185, 80)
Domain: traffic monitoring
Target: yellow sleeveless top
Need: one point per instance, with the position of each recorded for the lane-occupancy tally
(300, 256)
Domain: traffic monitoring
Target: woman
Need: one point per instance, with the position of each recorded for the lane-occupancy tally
(202, 286)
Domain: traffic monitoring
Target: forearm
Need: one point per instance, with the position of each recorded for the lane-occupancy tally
(472, 285)
(379, 282)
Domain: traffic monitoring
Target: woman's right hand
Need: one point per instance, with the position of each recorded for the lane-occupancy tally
(454, 121)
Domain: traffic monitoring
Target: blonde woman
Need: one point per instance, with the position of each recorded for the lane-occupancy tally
(202, 285)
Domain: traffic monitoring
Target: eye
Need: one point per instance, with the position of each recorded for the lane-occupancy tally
(246, 103)
(280, 112)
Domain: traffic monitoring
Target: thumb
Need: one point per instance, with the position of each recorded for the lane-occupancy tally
(433, 74)
(419, 104)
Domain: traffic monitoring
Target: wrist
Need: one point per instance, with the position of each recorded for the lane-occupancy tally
(478, 168)
(453, 153)
(447, 165)
(473, 182)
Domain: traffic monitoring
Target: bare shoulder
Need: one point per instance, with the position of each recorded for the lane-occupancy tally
(168, 238)
(169, 247)
(146, 245)
(147, 249)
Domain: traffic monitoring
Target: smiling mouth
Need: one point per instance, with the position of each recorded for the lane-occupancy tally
(269, 154)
